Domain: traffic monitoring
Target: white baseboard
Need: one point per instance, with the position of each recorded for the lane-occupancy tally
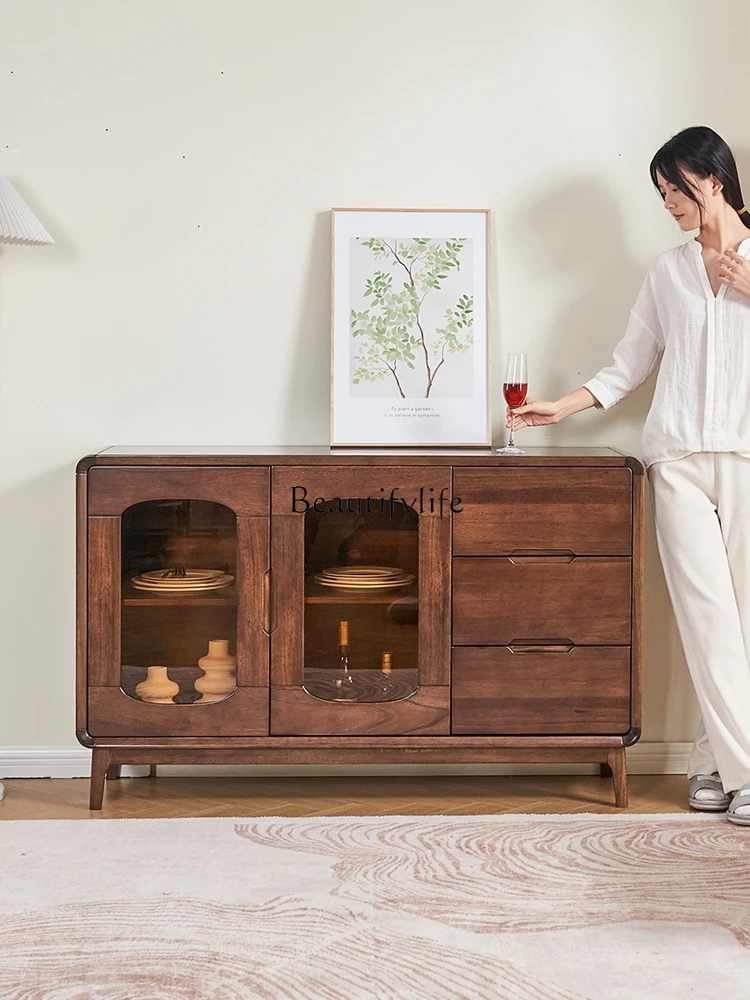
(75, 762)
(53, 762)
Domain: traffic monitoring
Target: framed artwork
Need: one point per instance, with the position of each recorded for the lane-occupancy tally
(410, 321)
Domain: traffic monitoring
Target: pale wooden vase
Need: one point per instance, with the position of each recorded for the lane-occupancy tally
(157, 687)
(218, 681)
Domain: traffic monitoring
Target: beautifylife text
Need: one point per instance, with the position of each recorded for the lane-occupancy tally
(426, 502)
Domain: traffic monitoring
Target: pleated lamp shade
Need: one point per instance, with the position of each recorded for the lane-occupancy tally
(18, 224)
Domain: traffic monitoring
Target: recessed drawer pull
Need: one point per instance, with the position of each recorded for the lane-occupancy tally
(545, 559)
(551, 646)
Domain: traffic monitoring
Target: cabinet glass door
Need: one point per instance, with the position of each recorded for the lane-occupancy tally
(178, 633)
(179, 602)
(361, 604)
(361, 583)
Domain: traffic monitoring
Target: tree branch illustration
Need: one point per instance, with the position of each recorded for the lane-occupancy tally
(392, 327)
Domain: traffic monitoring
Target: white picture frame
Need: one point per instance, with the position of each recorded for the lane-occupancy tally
(410, 327)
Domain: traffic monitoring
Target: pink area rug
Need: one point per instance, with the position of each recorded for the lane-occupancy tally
(584, 907)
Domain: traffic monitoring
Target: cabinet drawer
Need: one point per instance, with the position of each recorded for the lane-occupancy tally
(509, 691)
(584, 601)
(537, 510)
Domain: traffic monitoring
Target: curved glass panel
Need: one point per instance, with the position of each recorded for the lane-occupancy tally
(361, 603)
(179, 602)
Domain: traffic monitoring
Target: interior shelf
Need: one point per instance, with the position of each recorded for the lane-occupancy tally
(317, 594)
(133, 598)
(185, 677)
(366, 685)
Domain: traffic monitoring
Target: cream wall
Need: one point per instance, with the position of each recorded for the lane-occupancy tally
(185, 155)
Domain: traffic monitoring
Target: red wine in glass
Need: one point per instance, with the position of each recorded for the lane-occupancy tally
(515, 393)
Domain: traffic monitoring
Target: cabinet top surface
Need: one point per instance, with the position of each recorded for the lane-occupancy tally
(320, 449)
(325, 455)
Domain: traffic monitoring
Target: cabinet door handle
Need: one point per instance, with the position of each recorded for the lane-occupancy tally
(542, 646)
(268, 609)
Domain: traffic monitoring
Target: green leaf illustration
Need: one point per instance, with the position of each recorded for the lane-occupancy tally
(392, 330)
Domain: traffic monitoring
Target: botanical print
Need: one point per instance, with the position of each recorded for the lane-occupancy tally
(410, 327)
(412, 317)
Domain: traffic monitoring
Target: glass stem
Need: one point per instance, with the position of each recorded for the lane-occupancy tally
(511, 442)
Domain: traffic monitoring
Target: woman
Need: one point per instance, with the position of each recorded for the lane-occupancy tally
(692, 317)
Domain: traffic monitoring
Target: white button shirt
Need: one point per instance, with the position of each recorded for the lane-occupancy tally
(702, 396)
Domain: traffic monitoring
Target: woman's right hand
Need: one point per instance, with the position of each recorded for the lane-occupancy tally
(533, 413)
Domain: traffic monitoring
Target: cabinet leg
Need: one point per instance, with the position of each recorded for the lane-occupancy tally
(114, 771)
(100, 763)
(152, 771)
(617, 763)
(605, 771)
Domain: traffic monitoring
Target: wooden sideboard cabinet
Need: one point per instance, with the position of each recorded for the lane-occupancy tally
(312, 605)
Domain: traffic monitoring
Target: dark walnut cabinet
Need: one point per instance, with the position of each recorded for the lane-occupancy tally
(313, 605)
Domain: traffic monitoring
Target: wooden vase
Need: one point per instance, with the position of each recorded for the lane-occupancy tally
(157, 688)
(219, 667)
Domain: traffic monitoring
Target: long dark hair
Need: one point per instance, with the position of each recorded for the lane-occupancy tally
(703, 152)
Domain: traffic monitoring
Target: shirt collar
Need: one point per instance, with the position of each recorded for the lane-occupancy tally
(743, 248)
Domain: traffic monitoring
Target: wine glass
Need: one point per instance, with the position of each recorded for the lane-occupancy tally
(515, 387)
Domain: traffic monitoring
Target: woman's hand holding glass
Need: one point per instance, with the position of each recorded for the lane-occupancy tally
(534, 413)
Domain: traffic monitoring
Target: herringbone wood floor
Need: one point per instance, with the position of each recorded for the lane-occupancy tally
(67, 798)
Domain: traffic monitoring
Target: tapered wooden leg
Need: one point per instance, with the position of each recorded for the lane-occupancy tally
(114, 771)
(617, 762)
(605, 771)
(100, 762)
(152, 771)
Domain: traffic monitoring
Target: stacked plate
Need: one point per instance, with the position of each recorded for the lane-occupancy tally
(364, 577)
(166, 580)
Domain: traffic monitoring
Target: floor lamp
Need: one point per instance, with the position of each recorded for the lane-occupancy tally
(18, 226)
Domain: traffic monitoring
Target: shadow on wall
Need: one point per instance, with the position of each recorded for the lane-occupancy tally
(575, 236)
(306, 417)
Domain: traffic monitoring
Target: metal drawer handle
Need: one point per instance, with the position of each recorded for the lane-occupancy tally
(543, 552)
(543, 559)
(548, 646)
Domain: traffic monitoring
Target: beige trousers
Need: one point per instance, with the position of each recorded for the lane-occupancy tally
(702, 512)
